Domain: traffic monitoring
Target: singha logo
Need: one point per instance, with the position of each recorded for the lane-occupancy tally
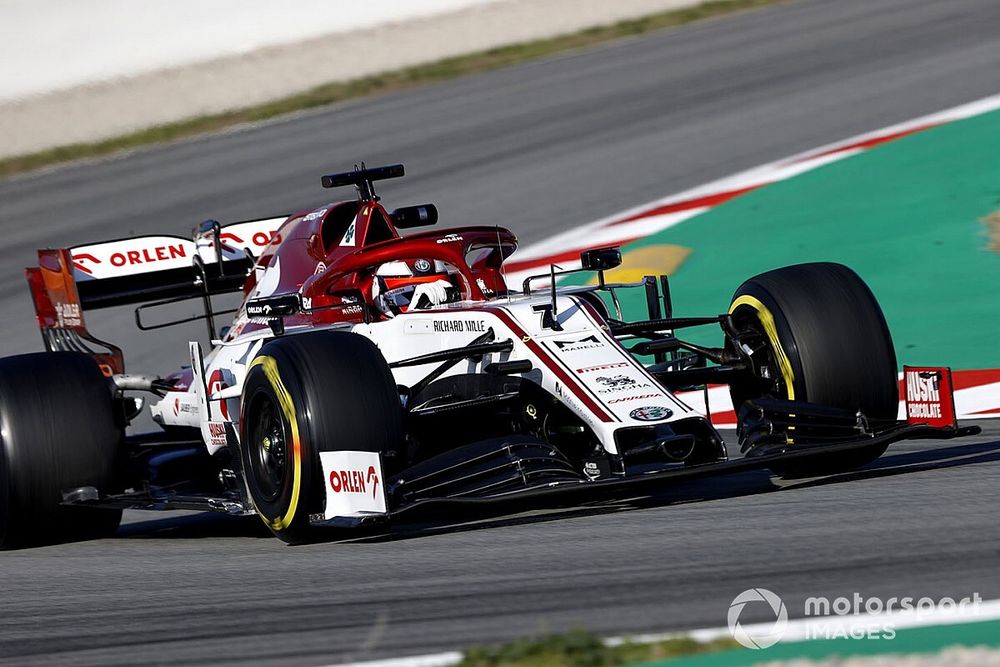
(617, 382)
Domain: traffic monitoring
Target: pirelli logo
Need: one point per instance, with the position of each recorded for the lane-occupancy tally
(602, 367)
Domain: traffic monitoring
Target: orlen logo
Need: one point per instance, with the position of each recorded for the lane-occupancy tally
(146, 255)
(160, 253)
(259, 239)
(354, 481)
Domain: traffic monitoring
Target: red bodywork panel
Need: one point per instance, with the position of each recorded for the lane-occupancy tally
(313, 260)
(329, 255)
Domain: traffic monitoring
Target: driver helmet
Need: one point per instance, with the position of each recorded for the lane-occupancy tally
(401, 285)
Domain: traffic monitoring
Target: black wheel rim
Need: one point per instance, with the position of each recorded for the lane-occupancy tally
(764, 378)
(267, 447)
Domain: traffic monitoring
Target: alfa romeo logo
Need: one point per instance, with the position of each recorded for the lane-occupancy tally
(422, 265)
(653, 413)
(758, 635)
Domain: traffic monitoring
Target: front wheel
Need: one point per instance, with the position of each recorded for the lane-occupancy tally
(305, 394)
(822, 338)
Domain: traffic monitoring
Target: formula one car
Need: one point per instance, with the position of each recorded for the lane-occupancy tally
(368, 373)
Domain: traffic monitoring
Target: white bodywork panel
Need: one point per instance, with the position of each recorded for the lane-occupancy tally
(580, 363)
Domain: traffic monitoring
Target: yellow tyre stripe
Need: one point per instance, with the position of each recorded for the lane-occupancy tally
(270, 368)
(771, 329)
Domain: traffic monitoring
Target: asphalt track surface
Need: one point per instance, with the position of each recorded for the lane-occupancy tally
(539, 148)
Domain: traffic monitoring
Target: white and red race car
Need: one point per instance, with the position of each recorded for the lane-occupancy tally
(367, 373)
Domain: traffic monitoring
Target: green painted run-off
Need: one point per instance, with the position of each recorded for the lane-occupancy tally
(907, 216)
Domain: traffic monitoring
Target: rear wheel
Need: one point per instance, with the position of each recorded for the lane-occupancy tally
(823, 339)
(57, 432)
(306, 394)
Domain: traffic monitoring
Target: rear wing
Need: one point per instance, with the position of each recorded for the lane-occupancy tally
(149, 270)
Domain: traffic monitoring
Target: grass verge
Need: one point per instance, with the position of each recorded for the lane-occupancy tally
(583, 649)
(380, 83)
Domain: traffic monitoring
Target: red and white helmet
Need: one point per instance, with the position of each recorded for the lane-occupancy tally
(401, 285)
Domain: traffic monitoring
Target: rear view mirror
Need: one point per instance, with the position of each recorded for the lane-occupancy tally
(601, 259)
(415, 216)
(281, 305)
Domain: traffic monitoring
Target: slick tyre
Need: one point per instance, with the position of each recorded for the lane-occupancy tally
(57, 432)
(826, 341)
(306, 394)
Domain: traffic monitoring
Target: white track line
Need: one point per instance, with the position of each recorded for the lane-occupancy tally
(758, 176)
(446, 659)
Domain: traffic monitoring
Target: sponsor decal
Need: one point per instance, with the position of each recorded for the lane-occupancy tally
(216, 383)
(483, 287)
(258, 233)
(597, 467)
(183, 406)
(567, 397)
(923, 393)
(353, 310)
(320, 268)
(148, 255)
(446, 326)
(318, 213)
(653, 413)
(69, 315)
(616, 382)
(450, 238)
(258, 310)
(259, 239)
(929, 396)
(275, 306)
(79, 257)
(602, 367)
(591, 342)
(613, 385)
(354, 483)
(217, 434)
(264, 239)
(422, 266)
(626, 399)
(348, 239)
